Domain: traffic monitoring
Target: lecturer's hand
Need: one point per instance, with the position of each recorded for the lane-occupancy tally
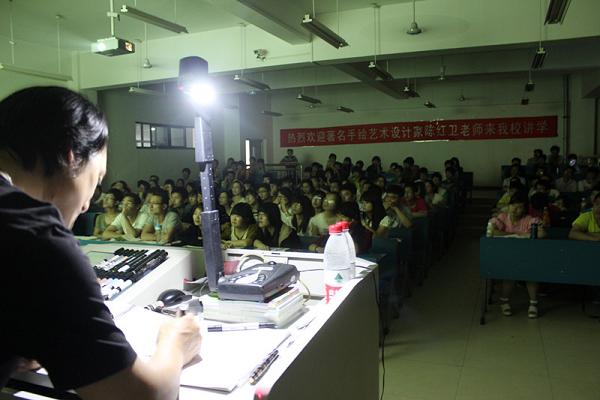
(182, 334)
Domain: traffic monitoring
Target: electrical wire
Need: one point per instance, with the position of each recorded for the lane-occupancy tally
(307, 290)
(12, 32)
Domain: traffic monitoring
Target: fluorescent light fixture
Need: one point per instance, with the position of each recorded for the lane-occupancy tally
(149, 92)
(271, 113)
(320, 30)
(538, 59)
(33, 72)
(409, 92)
(345, 109)
(557, 10)
(251, 82)
(308, 99)
(429, 104)
(152, 19)
(524, 101)
(529, 86)
(380, 72)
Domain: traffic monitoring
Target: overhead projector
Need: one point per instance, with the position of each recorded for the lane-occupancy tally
(113, 46)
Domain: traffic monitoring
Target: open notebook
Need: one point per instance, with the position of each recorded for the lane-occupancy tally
(227, 358)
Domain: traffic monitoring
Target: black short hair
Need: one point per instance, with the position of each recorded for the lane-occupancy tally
(143, 183)
(169, 182)
(163, 194)
(517, 159)
(44, 124)
(519, 197)
(186, 169)
(117, 193)
(409, 161)
(134, 197)
(555, 147)
(333, 154)
(182, 192)
(245, 211)
(154, 178)
(273, 214)
(349, 187)
(376, 158)
(349, 209)
(436, 175)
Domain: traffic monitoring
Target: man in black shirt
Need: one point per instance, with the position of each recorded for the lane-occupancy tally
(52, 156)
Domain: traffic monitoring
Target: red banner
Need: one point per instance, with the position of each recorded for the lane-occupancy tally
(464, 129)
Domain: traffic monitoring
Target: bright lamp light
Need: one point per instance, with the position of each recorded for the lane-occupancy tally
(201, 93)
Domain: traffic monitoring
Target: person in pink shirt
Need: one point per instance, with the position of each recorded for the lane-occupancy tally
(416, 205)
(516, 223)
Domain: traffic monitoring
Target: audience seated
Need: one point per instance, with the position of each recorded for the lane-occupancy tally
(272, 232)
(567, 183)
(163, 225)
(110, 204)
(415, 204)
(587, 225)
(302, 212)
(129, 223)
(319, 224)
(243, 229)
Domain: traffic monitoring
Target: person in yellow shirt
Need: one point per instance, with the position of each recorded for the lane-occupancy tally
(513, 187)
(587, 225)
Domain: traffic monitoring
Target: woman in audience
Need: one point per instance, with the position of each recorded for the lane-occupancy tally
(169, 185)
(143, 190)
(189, 187)
(284, 203)
(243, 228)
(302, 212)
(274, 190)
(121, 186)
(432, 196)
(193, 236)
(317, 202)
(237, 192)
(110, 203)
(319, 224)
(307, 188)
(373, 211)
(514, 174)
(514, 187)
(180, 183)
(225, 201)
(517, 223)
(416, 205)
(272, 232)
(254, 202)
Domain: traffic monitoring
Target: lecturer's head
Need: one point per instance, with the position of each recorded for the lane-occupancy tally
(53, 143)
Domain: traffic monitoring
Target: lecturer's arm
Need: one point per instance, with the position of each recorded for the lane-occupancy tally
(157, 378)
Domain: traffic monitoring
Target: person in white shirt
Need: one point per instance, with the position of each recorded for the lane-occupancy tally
(591, 179)
(514, 173)
(566, 183)
(130, 222)
(163, 225)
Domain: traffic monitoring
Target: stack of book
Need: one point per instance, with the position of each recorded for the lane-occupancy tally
(280, 309)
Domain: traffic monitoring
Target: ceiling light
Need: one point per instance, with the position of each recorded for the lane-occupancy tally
(251, 82)
(32, 72)
(308, 99)
(462, 98)
(529, 86)
(538, 59)
(345, 109)
(414, 27)
(524, 101)
(380, 72)
(320, 30)
(152, 19)
(557, 10)
(429, 104)
(442, 76)
(147, 64)
(137, 90)
(271, 113)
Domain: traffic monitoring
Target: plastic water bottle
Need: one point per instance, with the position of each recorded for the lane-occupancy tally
(158, 231)
(489, 231)
(337, 262)
(345, 225)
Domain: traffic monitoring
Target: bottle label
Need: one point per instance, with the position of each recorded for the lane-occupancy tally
(334, 280)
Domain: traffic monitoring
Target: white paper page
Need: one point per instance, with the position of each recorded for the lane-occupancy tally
(228, 358)
(140, 327)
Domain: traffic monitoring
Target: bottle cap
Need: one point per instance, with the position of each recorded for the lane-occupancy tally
(345, 225)
(335, 228)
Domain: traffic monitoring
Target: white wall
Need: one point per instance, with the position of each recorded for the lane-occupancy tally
(486, 97)
(128, 163)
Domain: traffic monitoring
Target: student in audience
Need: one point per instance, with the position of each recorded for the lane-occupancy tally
(224, 201)
(436, 178)
(260, 171)
(143, 190)
(331, 161)
(334, 186)
(591, 179)
(572, 162)
(516, 161)
(272, 232)
(110, 203)
(348, 192)
(319, 224)
(154, 184)
(302, 212)
(193, 200)
(513, 187)
(567, 183)
(121, 186)
(587, 225)
(180, 183)
(536, 160)
(517, 223)
(178, 200)
(227, 179)
(154, 178)
(432, 196)
(284, 203)
(380, 183)
(317, 202)
(555, 159)
(514, 174)
(237, 192)
(243, 228)
(360, 164)
(254, 202)
(307, 188)
(193, 235)
(274, 189)
(185, 175)
(163, 225)
(168, 186)
(397, 215)
(355, 176)
(349, 212)
(415, 204)
(373, 212)
(129, 223)
(264, 193)
(374, 170)
(544, 185)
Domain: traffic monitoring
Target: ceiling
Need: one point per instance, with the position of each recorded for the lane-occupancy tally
(84, 21)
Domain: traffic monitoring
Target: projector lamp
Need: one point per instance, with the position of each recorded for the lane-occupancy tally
(113, 46)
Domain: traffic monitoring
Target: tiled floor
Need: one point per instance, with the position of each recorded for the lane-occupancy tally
(437, 349)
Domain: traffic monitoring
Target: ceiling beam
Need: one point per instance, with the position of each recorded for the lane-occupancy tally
(362, 74)
(280, 19)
